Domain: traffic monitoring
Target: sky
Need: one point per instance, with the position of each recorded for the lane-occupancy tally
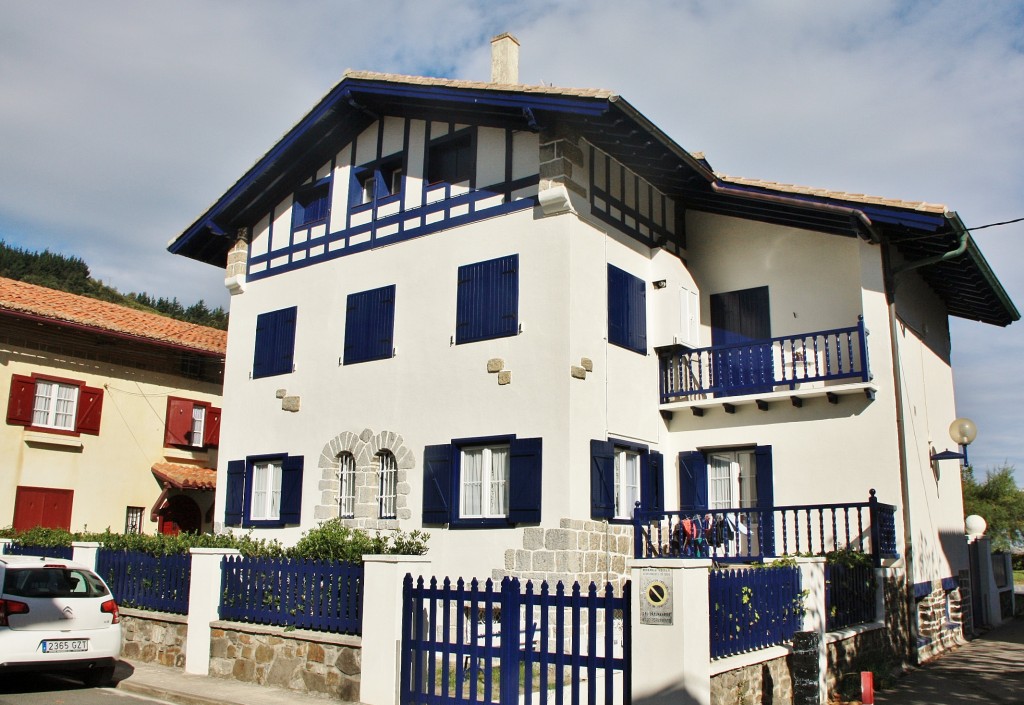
(121, 122)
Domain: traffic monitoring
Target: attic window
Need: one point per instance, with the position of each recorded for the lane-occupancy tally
(311, 205)
(380, 180)
(451, 159)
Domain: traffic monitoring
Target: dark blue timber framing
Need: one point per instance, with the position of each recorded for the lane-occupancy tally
(966, 283)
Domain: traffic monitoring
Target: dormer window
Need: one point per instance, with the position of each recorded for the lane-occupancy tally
(311, 205)
(451, 159)
(378, 180)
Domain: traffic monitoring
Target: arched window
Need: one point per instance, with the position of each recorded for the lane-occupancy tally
(388, 487)
(347, 493)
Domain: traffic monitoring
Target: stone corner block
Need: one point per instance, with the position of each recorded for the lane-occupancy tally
(495, 364)
(587, 364)
(290, 404)
(505, 377)
(577, 372)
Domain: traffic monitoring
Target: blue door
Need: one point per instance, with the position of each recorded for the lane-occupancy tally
(741, 336)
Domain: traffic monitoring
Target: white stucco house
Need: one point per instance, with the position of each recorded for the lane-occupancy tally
(504, 313)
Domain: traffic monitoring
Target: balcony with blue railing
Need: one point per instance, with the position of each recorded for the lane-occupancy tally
(826, 363)
(751, 534)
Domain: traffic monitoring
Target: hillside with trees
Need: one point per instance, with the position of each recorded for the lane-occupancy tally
(71, 274)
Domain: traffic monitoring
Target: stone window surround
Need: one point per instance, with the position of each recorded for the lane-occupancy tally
(364, 447)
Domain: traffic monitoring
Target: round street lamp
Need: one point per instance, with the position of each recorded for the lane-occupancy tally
(963, 432)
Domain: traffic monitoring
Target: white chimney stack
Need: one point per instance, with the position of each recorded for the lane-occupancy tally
(505, 59)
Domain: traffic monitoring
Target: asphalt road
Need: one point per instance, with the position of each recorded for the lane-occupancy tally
(39, 689)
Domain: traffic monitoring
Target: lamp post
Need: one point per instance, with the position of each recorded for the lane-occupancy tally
(963, 432)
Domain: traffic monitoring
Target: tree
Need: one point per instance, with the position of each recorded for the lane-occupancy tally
(999, 502)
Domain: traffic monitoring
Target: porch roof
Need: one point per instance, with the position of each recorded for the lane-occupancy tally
(185, 477)
(608, 121)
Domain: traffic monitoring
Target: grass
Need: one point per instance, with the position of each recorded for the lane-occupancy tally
(1018, 577)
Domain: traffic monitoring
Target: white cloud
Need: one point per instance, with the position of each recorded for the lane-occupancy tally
(122, 121)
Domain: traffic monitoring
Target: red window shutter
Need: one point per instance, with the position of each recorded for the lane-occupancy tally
(211, 430)
(179, 422)
(19, 406)
(90, 406)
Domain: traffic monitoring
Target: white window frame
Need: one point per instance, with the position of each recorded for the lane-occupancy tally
(265, 502)
(198, 426)
(387, 493)
(484, 495)
(627, 481)
(732, 479)
(55, 405)
(347, 490)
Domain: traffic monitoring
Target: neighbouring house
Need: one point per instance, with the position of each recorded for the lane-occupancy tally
(113, 415)
(507, 313)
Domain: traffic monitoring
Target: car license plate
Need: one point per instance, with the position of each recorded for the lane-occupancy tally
(57, 646)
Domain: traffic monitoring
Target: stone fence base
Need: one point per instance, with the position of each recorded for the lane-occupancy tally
(310, 662)
(306, 661)
(153, 637)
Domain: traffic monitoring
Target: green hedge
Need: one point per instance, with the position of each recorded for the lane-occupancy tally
(329, 540)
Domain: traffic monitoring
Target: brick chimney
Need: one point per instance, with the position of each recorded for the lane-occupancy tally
(505, 59)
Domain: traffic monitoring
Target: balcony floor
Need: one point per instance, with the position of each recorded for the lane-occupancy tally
(765, 400)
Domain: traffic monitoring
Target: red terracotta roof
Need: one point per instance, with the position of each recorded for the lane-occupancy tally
(186, 477)
(59, 306)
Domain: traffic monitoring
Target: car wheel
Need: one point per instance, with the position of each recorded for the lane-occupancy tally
(98, 677)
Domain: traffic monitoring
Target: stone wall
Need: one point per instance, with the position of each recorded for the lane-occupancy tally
(766, 682)
(939, 621)
(867, 650)
(577, 551)
(305, 661)
(153, 637)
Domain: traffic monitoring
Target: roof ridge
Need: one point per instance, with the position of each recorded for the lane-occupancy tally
(821, 192)
(483, 85)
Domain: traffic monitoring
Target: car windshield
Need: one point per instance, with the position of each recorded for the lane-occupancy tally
(52, 582)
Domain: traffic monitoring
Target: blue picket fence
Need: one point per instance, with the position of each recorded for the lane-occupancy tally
(64, 552)
(147, 582)
(305, 594)
(753, 608)
(481, 643)
(850, 595)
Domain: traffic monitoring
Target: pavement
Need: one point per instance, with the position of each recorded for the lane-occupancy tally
(988, 670)
(173, 685)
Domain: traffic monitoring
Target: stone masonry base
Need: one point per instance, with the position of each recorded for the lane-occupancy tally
(311, 662)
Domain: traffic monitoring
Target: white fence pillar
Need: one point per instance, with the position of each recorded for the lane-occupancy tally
(86, 552)
(671, 654)
(203, 606)
(4, 543)
(812, 582)
(382, 624)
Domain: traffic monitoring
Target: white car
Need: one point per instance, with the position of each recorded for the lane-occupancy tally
(57, 615)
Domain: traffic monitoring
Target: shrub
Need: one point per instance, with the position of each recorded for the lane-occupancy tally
(333, 541)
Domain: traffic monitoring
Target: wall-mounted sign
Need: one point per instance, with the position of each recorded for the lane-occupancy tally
(655, 596)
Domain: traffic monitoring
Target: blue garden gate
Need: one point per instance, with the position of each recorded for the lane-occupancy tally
(471, 643)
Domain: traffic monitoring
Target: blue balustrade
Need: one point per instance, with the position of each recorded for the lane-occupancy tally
(746, 535)
(147, 582)
(758, 366)
(850, 595)
(306, 594)
(753, 608)
(17, 549)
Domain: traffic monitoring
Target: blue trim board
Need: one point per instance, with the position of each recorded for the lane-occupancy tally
(503, 209)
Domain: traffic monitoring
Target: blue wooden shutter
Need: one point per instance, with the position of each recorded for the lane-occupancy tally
(488, 300)
(602, 479)
(234, 493)
(275, 342)
(652, 482)
(765, 497)
(291, 489)
(437, 484)
(525, 481)
(693, 481)
(355, 186)
(370, 325)
(627, 310)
